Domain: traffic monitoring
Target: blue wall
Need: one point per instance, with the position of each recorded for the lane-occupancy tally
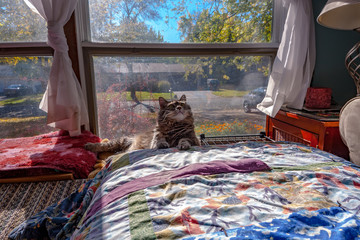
(331, 48)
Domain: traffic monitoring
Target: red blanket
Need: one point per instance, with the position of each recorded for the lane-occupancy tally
(46, 153)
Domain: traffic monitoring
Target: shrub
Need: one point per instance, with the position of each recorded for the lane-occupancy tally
(120, 118)
(163, 86)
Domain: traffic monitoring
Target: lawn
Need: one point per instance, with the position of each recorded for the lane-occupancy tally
(12, 127)
(23, 127)
(229, 93)
(29, 99)
(141, 95)
(236, 127)
(144, 96)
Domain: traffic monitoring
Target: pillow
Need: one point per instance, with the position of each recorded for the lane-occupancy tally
(349, 126)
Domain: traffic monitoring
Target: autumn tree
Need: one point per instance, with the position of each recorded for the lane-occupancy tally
(228, 21)
(124, 20)
(19, 24)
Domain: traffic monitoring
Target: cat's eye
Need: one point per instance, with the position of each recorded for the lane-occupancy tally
(171, 106)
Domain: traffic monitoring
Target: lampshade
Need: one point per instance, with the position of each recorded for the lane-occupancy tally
(341, 14)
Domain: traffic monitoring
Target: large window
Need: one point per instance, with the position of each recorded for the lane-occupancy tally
(217, 89)
(185, 21)
(127, 53)
(22, 84)
(217, 53)
(25, 63)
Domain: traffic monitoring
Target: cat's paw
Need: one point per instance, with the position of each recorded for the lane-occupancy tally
(162, 144)
(90, 147)
(183, 145)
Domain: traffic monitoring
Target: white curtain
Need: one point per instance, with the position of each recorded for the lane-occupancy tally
(63, 100)
(294, 64)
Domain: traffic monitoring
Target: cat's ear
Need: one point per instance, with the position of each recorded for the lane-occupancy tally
(162, 102)
(183, 98)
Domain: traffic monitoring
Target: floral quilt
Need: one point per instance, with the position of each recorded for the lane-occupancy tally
(250, 190)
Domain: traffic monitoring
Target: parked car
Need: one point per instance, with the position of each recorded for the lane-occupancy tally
(17, 90)
(213, 84)
(253, 98)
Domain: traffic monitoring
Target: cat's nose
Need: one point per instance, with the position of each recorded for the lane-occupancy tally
(178, 107)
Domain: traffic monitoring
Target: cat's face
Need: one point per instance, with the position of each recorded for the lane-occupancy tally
(176, 110)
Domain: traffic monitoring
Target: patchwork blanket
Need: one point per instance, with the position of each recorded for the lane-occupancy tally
(46, 154)
(250, 190)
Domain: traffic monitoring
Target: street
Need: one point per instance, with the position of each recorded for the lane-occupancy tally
(208, 106)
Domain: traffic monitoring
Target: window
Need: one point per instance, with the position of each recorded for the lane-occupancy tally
(22, 84)
(19, 24)
(127, 89)
(25, 63)
(139, 50)
(214, 52)
(180, 21)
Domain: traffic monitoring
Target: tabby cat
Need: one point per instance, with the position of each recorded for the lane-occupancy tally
(175, 128)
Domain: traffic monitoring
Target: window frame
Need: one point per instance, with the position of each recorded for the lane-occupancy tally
(90, 49)
(81, 50)
(160, 50)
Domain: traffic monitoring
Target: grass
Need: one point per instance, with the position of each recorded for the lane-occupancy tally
(23, 127)
(210, 128)
(229, 93)
(29, 99)
(141, 95)
(144, 96)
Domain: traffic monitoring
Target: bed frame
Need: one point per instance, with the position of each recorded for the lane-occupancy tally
(43, 178)
(220, 140)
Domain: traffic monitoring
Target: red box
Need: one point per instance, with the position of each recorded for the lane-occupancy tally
(318, 97)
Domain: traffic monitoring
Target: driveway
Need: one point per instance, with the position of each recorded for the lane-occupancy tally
(208, 106)
(205, 100)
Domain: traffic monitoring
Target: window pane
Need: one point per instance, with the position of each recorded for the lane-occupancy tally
(23, 82)
(181, 21)
(19, 24)
(217, 89)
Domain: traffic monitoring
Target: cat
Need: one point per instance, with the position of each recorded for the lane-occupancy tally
(175, 128)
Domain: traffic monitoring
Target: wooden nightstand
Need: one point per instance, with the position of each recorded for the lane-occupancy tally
(319, 130)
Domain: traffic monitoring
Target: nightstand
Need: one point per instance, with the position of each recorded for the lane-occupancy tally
(315, 129)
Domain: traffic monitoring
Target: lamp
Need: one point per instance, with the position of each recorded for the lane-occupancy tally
(345, 15)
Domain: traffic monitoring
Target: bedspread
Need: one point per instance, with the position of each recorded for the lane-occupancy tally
(245, 191)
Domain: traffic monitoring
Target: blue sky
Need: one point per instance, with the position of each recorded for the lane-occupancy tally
(169, 30)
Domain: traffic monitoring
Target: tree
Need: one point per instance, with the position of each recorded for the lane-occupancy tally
(124, 20)
(19, 23)
(235, 21)
(228, 21)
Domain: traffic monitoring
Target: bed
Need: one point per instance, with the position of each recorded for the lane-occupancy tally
(246, 190)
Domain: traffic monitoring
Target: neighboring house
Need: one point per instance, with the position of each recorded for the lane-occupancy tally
(7, 77)
(173, 73)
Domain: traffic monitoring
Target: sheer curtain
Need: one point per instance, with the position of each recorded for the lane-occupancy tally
(294, 64)
(63, 100)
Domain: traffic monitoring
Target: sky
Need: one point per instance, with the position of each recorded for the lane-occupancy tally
(169, 30)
